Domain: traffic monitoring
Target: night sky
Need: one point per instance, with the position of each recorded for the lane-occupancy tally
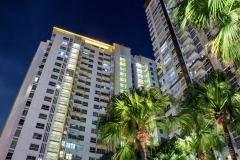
(23, 24)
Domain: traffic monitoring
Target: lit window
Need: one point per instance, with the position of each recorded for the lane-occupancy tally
(64, 43)
(36, 79)
(68, 156)
(170, 73)
(166, 59)
(61, 53)
(164, 46)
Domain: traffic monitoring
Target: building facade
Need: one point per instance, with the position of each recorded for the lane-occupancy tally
(67, 86)
(181, 56)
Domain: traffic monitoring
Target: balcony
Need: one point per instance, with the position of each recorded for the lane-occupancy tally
(186, 40)
(188, 48)
(199, 73)
(192, 55)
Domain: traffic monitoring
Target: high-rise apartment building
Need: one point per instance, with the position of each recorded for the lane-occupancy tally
(66, 88)
(181, 56)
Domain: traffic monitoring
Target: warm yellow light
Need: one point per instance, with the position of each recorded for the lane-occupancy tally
(96, 44)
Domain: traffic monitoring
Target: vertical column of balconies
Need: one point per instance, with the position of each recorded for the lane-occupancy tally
(60, 119)
(123, 74)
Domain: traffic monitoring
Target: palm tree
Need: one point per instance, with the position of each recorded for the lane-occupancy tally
(131, 118)
(167, 150)
(201, 138)
(217, 101)
(221, 14)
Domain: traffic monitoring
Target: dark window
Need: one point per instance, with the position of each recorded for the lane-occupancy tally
(93, 140)
(9, 156)
(34, 147)
(82, 128)
(60, 58)
(151, 68)
(84, 111)
(83, 120)
(40, 126)
(42, 116)
(45, 107)
(37, 136)
(41, 66)
(92, 150)
(28, 103)
(65, 38)
(152, 73)
(150, 64)
(93, 131)
(54, 76)
(153, 84)
(51, 83)
(31, 158)
(13, 144)
(56, 70)
(95, 114)
(39, 73)
(57, 64)
(34, 87)
(50, 91)
(24, 113)
(49, 99)
(17, 133)
(21, 122)
(63, 48)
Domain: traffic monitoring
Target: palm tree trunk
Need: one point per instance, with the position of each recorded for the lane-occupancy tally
(229, 142)
(143, 150)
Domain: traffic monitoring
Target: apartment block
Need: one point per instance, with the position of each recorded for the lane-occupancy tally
(68, 84)
(181, 56)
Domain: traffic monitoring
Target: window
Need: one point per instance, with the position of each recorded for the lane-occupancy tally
(92, 150)
(34, 147)
(57, 64)
(85, 104)
(94, 122)
(83, 120)
(93, 140)
(96, 106)
(98, 80)
(50, 91)
(88, 83)
(65, 38)
(39, 73)
(64, 43)
(178, 65)
(49, 99)
(31, 158)
(90, 158)
(9, 156)
(166, 59)
(52, 83)
(56, 70)
(21, 122)
(84, 111)
(150, 64)
(37, 136)
(93, 131)
(17, 133)
(97, 92)
(41, 66)
(96, 99)
(28, 103)
(59, 58)
(164, 46)
(86, 96)
(153, 84)
(63, 48)
(161, 131)
(101, 151)
(153, 79)
(170, 73)
(31, 95)
(54, 76)
(81, 138)
(13, 144)
(34, 87)
(45, 107)
(24, 113)
(42, 116)
(40, 126)
(95, 114)
(36, 79)
(82, 128)
(152, 73)
(79, 147)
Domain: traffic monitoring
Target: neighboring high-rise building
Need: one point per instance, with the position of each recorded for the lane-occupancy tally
(180, 55)
(66, 88)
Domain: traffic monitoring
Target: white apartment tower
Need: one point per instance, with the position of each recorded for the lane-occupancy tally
(66, 88)
(181, 57)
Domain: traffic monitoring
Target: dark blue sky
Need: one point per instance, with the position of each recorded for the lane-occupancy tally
(23, 24)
